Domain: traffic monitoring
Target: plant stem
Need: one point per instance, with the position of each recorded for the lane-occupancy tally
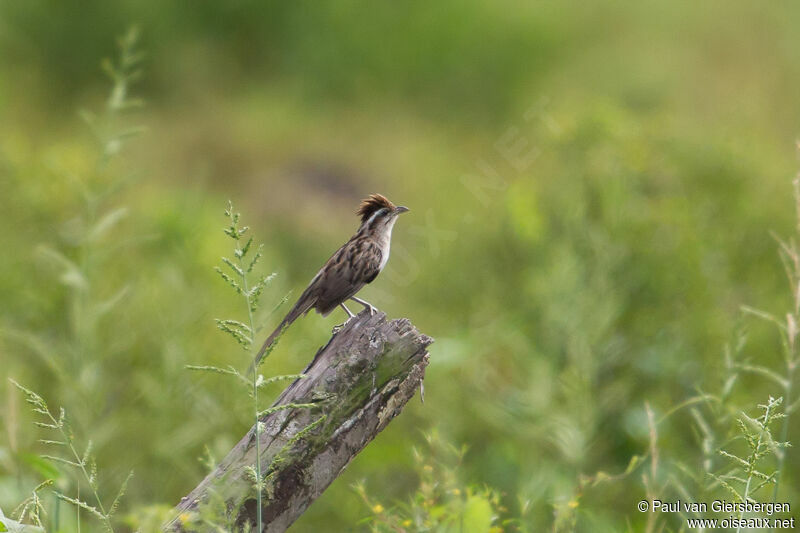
(791, 337)
(57, 513)
(79, 461)
(790, 368)
(753, 458)
(246, 293)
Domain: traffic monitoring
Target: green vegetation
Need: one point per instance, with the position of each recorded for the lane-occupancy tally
(593, 190)
(238, 275)
(84, 466)
(441, 502)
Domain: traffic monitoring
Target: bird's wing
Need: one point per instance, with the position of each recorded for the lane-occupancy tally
(372, 266)
(355, 265)
(346, 272)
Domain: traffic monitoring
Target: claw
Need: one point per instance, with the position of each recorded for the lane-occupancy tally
(340, 327)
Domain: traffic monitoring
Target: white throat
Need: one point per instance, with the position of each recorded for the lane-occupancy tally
(385, 242)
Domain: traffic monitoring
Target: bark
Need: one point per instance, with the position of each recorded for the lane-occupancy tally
(358, 382)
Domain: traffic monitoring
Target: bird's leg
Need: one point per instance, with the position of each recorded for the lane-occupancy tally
(350, 316)
(366, 305)
(346, 310)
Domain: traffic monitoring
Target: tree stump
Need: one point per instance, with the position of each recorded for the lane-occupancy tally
(358, 382)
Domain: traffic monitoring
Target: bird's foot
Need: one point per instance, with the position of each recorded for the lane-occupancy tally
(340, 327)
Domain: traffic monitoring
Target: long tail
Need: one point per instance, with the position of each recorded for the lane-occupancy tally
(304, 303)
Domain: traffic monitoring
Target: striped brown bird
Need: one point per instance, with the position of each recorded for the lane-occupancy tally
(355, 264)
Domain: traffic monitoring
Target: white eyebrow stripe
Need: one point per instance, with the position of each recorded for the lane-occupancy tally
(370, 219)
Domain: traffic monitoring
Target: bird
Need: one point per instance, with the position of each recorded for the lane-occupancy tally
(357, 263)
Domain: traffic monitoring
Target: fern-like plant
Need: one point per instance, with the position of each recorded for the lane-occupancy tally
(77, 272)
(67, 454)
(747, 475)
(239, 274)
(442, 502)
(32, 508)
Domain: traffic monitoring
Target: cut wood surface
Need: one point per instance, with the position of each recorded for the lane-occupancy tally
(358, 382)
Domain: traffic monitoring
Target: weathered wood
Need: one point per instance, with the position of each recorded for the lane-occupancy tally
(358, 381)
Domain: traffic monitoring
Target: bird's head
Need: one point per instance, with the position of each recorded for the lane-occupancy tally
(377, 211)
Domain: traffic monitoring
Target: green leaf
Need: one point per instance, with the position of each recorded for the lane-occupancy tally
(255, 257)
(635, 461)
(763, 315)
(231, 327)
(107, 305)
(43, 467)
(30, 396)
(106, 222)
(61, 460)
(766, 372)
(241, 252)
(71, 275)
(477, 515)
(233, 267)
(263, 382)
(255, 292)
(233, 324)
(87, 454)
(734, 458)
(120, 494)
(230, 371)
(52, 442)
(229, 280)
(729, 488)
(83, 505)
(754, 424)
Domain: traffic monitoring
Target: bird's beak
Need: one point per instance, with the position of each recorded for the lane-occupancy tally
(400, 209)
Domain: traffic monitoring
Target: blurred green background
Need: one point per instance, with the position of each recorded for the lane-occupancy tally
(592, 190)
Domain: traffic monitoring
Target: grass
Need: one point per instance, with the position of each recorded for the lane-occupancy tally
(238, 275)
(605, 276)
(86, 309)
(84, 463)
